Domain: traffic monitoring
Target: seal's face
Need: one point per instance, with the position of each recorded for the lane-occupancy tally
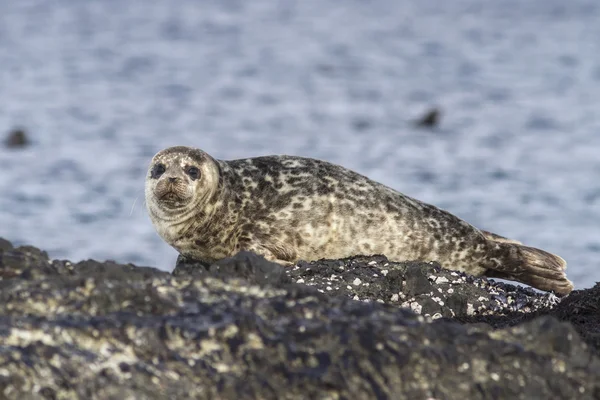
(178, 179)
(173, 181)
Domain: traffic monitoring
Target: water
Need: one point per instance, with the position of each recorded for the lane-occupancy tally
(103, 85)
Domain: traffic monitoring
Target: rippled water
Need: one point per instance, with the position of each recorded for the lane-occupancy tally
(103, 85)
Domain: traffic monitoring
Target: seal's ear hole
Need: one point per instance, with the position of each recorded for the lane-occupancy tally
(193, 172)
(157, 170)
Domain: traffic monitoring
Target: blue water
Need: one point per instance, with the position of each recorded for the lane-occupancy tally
(102, 85)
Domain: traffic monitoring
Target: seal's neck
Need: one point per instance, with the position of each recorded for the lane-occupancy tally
(206, 212)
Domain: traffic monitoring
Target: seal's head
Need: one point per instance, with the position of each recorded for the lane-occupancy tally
(180, 180)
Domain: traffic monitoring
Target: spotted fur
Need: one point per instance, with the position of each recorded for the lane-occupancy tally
(290, 208)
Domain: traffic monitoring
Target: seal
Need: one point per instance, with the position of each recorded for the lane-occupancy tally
(288, 208)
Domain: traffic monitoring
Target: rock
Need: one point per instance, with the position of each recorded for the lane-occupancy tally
(33, 253)
(14, 262)
(240, 329)
(416, 281)
(186, 266)
(581, 308)
(16, 139)
(430, 119)
(5, 244)
(246, 265)
(414, 284)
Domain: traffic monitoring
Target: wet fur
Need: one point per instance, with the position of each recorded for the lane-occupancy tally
(290, 208)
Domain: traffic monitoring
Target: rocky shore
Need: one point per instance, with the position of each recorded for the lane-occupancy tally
(244, 328)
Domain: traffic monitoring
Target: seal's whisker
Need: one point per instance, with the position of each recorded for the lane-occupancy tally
(135, 201)
(133, 206)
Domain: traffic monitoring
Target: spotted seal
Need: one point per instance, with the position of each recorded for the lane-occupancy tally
(290, 208)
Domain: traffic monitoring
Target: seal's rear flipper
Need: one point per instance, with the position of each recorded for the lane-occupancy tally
(531, 266)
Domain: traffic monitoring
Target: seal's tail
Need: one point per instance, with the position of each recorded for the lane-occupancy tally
(531, 266)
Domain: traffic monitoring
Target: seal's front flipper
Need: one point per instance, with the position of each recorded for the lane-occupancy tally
(273, 250)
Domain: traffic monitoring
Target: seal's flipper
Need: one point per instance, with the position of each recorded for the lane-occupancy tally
(273, 250)
(535, 267)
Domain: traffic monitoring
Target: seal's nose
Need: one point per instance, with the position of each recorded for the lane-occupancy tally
(172, 179)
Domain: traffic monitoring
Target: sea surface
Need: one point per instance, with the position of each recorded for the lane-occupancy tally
(101, 86)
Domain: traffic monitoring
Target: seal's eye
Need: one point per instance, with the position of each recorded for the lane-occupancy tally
(157, 170)
(193, 172)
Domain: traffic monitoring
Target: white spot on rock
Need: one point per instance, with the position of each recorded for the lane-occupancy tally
(470, 309)
(416, 307)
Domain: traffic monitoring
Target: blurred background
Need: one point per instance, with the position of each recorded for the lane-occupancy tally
(91, 90)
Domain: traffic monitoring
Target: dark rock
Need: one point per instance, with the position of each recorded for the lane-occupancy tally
(16, 139)
(414, 284)
(5, 244)
(430, 119)
(245, 265)
(33, 253)
(581, 308)
(112, 270)
(106, 330)
(190, 267)
(416, 281)
(457, 303)
(13, 262)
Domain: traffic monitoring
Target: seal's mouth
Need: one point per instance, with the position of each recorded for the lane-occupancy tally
(171, 199)
(170, 196)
